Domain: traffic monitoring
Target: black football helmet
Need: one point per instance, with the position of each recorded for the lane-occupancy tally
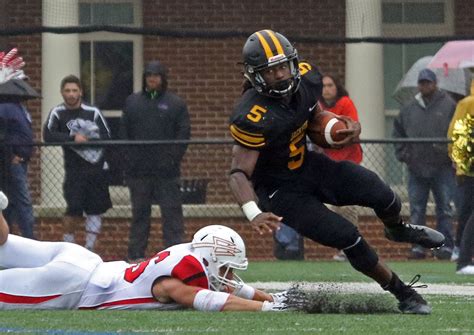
(265, 49)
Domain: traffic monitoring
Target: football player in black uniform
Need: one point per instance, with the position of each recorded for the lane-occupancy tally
(271, 166)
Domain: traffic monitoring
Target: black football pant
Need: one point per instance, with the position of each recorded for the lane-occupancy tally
(301, 204)
(145, 191)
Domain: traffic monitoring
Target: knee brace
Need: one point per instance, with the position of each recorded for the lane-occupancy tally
(390, 215)
(361, 255)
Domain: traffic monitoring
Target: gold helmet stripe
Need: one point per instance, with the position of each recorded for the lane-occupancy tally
(266, 47)
(276, 42)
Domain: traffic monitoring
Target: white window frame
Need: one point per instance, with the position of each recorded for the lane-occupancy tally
(137, 41)
(413, 30)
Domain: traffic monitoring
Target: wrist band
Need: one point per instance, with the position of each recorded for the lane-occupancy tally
(251, 210)
(245, 292)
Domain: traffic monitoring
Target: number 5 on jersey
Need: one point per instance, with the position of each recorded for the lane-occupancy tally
(256, 113)
(133, 272)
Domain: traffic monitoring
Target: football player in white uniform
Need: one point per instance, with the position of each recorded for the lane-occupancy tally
(61, 275)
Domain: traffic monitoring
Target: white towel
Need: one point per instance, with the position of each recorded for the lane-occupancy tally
(90, 130)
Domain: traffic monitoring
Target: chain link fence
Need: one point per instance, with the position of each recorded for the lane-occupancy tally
(206, 196)
(204, 172)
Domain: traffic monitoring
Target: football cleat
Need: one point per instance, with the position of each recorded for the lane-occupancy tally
(414, 304)
(421, 235)
(410, 302)
(466, 270)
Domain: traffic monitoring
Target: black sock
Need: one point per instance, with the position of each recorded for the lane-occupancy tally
(396, 287)
(394, 221)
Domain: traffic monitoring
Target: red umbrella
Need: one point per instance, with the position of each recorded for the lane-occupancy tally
(454, 55)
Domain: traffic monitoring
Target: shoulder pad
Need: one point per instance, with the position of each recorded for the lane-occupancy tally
(191, 272)
(310, 73)
(248, 124)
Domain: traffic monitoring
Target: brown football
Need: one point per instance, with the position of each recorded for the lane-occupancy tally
(322, 130)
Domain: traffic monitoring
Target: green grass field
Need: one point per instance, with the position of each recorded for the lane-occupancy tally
(452, 314)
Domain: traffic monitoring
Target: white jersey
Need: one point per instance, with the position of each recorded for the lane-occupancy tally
(119, 285)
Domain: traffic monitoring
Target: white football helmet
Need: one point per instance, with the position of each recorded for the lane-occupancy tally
(220, 247)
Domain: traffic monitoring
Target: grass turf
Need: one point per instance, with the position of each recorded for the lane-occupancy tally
(451, 314)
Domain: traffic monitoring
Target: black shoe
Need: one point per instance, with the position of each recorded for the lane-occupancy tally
(410, 302)
(443, 253)
(424, 236)
(416, 253)
(414, 304)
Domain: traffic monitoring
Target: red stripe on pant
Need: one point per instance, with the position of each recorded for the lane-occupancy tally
(20, 299)
(123, 302)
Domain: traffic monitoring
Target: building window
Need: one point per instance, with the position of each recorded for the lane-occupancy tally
(398, 58)
(91, 13)
(111, 63)
(413, 12)
(107, 73)
(409, 18)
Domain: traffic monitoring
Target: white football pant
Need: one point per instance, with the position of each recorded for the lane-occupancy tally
(43, 275)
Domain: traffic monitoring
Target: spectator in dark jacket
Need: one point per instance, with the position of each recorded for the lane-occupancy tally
(152, 172)
(429, 166)
(17, 133)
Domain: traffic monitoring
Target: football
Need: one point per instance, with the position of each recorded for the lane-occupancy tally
(322, 130)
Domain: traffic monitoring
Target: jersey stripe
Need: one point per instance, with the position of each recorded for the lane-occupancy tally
(20, 299)
(266, 47)
(276, 42)
(190, 271)
(197, 277)
(134, 301)
(248, 139)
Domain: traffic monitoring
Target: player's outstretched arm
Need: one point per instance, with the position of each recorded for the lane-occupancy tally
(172, 289)
(250, 293)
(243, 165)
(4, 231)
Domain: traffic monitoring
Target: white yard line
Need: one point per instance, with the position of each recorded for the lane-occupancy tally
(448, 289)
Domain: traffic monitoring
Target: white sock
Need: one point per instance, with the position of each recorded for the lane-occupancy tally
(68, 238)
(93, 225)
(90, 240)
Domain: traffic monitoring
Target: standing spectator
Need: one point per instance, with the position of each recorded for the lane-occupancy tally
(336, 100)
(429, 166)
(16, 141)
(85, 187)
(153, 172)
(18, 135)
(461, 130)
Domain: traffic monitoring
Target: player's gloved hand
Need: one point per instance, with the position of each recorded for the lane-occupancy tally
(269, 306)
(280, 296)
(3, 201)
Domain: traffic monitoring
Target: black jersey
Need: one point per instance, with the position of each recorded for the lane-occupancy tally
(57, 128)
(276, 129)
